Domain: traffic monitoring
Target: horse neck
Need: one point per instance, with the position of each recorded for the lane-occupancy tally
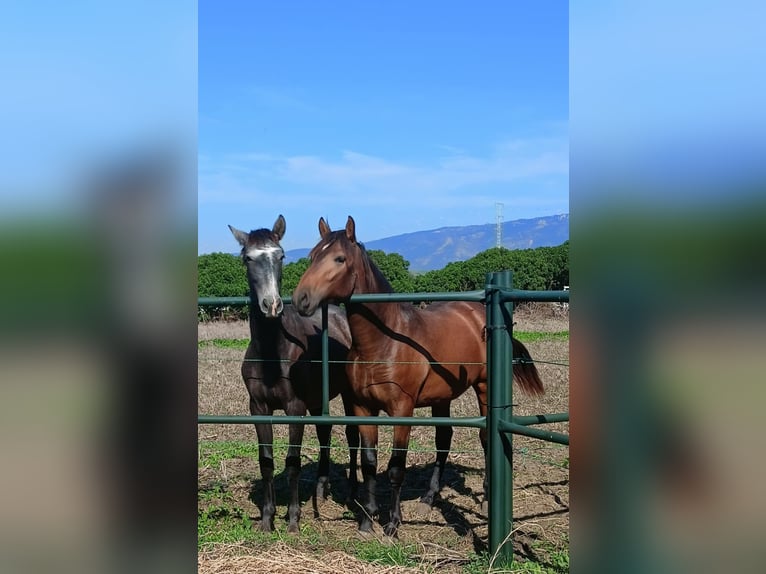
(361, 316)
(264, 333)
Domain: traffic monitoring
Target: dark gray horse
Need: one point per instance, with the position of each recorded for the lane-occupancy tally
(283, 370)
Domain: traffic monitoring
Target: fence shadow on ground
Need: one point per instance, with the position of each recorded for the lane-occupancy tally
(462, 516)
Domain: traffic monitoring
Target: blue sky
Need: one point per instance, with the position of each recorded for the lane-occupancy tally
(405, 115)
(86, 83)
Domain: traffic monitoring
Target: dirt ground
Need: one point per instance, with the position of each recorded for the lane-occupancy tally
(456, 527)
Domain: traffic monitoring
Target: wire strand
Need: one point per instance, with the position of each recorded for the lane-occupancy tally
(559, 362)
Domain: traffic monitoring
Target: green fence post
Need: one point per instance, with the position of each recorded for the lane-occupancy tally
(499, 365)
(325, 362)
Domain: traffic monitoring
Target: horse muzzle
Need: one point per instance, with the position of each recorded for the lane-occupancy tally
(272, 307)
(302, 303)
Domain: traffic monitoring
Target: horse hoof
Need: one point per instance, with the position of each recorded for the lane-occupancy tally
(366, 527)
(391, 530)
(353, 502)
(293, 529)
(266, 527)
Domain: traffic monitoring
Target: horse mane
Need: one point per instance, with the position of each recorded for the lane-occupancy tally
(372, 270)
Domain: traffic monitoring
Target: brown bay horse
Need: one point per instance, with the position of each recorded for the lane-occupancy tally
(402, 357)
(282, 369)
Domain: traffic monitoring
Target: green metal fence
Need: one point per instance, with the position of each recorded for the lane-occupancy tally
(499, 297)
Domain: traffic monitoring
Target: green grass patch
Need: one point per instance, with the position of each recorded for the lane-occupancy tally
(223, 522)
(534, 336)
(224, 343)
(211, 453)
(390, 554)
(556, 562)
(552, 560)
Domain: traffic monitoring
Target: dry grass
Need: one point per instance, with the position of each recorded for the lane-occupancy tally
(541, 317)
(454, 529)
(223, 330)
(283, 559)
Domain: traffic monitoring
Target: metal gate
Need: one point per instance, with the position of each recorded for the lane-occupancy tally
(499, 297)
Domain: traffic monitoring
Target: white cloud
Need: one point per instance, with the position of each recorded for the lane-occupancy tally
(369, 180)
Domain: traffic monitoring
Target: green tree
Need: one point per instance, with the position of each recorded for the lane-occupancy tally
(542, 268)
(560, 264)
(292, 273)
(221, 275)
(395, 268)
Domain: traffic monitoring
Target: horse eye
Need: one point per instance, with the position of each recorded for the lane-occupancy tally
(340, 259)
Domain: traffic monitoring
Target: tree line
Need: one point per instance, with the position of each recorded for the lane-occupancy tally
(540, 268)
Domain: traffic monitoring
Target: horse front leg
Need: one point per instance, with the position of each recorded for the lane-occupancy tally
(396, 468)
(352, 438)
(443, 444)
(369, 440)
(322, 490)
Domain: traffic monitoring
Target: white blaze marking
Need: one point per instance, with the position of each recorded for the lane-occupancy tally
(255, 253)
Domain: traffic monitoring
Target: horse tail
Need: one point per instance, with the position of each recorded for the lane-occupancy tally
(524, 370)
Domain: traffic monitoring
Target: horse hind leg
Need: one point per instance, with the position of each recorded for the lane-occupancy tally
(443, 444)
(396, 470)
(293, 468)
(266, 462)
(481, 395)
(369, 462)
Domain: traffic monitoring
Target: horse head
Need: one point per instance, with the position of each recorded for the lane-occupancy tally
(262, 255)
(333, 269)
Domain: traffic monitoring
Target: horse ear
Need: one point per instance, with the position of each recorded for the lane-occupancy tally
(324, 229)
(279, 228)
(351, 229)
(240, 236)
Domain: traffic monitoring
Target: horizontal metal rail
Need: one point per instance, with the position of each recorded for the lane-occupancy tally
(541, 419)
(477, 422)
(515, 428)
(366, 298)
(520, 295)
(209, 301)
(477, 296)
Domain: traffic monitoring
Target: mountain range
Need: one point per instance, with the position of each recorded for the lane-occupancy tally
(434, 248)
